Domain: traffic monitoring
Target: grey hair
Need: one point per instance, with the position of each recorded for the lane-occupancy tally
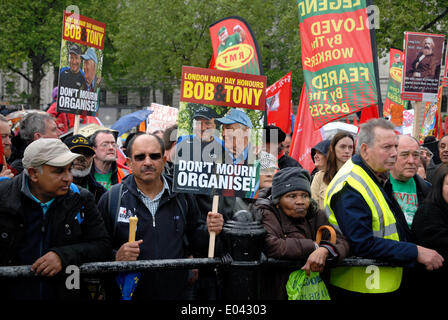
(32, 123)
(366, 134)
(39, 168)
(431, 41)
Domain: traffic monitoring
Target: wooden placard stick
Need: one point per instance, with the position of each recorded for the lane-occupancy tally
(211, 244)
(76, 124)
(132, 228)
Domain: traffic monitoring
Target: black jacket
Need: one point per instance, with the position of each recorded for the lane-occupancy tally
(286, 161)
(72, 228)
(163, 238)
(430, 230)
(89, 183)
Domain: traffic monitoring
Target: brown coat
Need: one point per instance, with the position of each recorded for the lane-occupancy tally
(292, 239)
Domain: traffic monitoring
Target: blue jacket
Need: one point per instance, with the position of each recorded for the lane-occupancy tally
(355, 221)
(163, 238)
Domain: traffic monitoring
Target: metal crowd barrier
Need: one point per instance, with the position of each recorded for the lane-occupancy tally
(100, 268)
(240, 266)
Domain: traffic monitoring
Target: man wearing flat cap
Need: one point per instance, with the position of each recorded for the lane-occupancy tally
(236, 126)
(83, 165)
(49, 223)
(73, 76)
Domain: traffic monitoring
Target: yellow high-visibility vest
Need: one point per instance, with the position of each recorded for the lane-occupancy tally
(365, 279)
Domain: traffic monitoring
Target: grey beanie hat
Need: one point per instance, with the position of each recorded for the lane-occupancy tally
(290, 179)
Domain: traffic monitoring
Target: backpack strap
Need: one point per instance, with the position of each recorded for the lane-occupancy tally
(113, 203)
(79, 215)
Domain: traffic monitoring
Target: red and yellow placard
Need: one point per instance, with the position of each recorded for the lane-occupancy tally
(83, 30)
(223, 88)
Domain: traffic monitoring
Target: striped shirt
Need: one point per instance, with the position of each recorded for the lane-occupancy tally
(153, 204)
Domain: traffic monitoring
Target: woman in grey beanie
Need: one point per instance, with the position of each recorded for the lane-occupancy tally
(291, 219)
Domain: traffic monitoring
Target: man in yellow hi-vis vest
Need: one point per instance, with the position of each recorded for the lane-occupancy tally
(359, 202)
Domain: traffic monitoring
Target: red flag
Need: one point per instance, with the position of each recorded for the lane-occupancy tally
(438, 127)
(278, 102)
(212, 63)
(369, 113)
(234, 46)
(305, 136)
(2, 151)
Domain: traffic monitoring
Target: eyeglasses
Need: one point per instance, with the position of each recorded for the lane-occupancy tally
(152, 156)
(105, 144)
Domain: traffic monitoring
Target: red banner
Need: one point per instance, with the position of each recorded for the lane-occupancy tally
(234, 46)
(278, 103)
(338, 64)
(393, 95)
(305, 136)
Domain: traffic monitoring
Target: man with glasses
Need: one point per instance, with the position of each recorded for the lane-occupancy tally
(105, 169)
(408, 187)
(168, 225)
(83, 165)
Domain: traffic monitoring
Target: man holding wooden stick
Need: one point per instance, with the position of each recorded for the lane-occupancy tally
(168, 223)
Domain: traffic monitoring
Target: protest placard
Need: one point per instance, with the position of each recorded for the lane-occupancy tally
(220, 121)
(80, 64)
(161, 118)
(422, 64)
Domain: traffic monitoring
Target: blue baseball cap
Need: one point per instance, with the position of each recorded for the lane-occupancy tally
(90, 55)
(236, 116)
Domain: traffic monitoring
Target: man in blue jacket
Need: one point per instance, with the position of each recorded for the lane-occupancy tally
(168, 223)
(359, 201)
(47, 222)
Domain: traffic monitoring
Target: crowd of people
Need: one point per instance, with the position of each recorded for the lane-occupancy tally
(69, 201)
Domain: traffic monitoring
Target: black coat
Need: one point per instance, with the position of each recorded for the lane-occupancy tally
(72, 228)
(172, 235)
(430, 230)
(286, 161)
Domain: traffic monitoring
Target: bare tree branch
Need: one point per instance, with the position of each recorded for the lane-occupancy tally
(433, 22)
(15, 70)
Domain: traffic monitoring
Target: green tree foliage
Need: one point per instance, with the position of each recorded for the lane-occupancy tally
(155, 39)
(148, 41)
(29, 33)
(30, 37)
(396, 17)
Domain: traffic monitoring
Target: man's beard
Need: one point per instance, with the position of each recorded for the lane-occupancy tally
(81, 173)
